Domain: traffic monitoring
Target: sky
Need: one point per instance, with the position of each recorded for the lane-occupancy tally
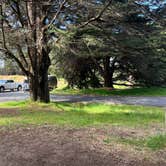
(153, 4)
(2, 63)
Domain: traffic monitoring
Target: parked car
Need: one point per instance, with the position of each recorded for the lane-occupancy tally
(26, 85)
(9, 85)
(52, 83)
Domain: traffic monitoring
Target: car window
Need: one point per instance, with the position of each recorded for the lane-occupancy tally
(2, 81)
(26, 81)
(9, 81)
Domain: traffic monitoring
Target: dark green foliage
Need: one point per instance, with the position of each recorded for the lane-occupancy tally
(143, 70)
(131, 36)
(80, 72)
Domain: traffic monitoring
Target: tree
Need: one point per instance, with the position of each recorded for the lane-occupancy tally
(30, 27)
(118, 43)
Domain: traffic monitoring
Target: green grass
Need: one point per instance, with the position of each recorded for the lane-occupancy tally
(155, 142)
(13, 104)
(80, 115)
(142, 91)
(128, 141)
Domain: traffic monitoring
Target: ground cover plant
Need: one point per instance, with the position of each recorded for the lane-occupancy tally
(126, 133)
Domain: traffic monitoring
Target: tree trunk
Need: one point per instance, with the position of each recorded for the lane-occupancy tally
(33, 81)
(43, 90)
(39, 90)
(44, 95)
(38, 52)
(108, 73)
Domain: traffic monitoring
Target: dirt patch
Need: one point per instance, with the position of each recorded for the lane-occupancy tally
(52, 146)
(8, 112)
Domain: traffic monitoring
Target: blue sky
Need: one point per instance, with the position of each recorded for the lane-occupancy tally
(2, 63)
(152, 4)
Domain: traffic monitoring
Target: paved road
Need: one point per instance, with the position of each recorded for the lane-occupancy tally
(149, 101)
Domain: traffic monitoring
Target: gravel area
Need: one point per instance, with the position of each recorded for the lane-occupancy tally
(148, 101)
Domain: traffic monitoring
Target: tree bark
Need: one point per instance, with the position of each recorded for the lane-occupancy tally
(44, 95)
(33, 83)
(39, 90)
(38, 53)
(43, 89)
(108, 73)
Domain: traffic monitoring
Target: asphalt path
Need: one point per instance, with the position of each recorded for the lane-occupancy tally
(147, 101)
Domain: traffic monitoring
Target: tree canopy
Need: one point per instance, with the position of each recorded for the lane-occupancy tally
(89, 41)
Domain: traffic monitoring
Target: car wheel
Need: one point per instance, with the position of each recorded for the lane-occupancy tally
(2, 89)
(19, 88)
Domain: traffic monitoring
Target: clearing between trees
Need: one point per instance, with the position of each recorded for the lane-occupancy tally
(81, 134)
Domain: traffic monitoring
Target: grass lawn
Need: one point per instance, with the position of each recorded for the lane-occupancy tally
(118, 91)
(79, 115)
(142, 91)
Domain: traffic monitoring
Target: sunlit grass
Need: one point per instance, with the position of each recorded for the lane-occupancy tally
(79, 115)
(142, 91)
(61, 84)
(13, 104)
(155, 142)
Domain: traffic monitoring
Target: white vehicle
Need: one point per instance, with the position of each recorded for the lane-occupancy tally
(52, 83)
(9, 85)
(26, 85)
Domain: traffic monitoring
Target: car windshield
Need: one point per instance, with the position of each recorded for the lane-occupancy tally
(26, 81)
(2, 81)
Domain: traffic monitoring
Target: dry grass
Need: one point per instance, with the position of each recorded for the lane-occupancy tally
(17, 78)
(50, 145)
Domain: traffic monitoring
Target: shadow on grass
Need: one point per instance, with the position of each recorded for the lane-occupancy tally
(138, 91)
(79, 115)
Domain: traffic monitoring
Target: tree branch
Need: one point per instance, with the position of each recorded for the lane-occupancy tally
(56, 15)
(21, 54)
(12, 56)
(28, 15)
(2, 27)
(97, 17)
(5, 49)
(17, 12)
